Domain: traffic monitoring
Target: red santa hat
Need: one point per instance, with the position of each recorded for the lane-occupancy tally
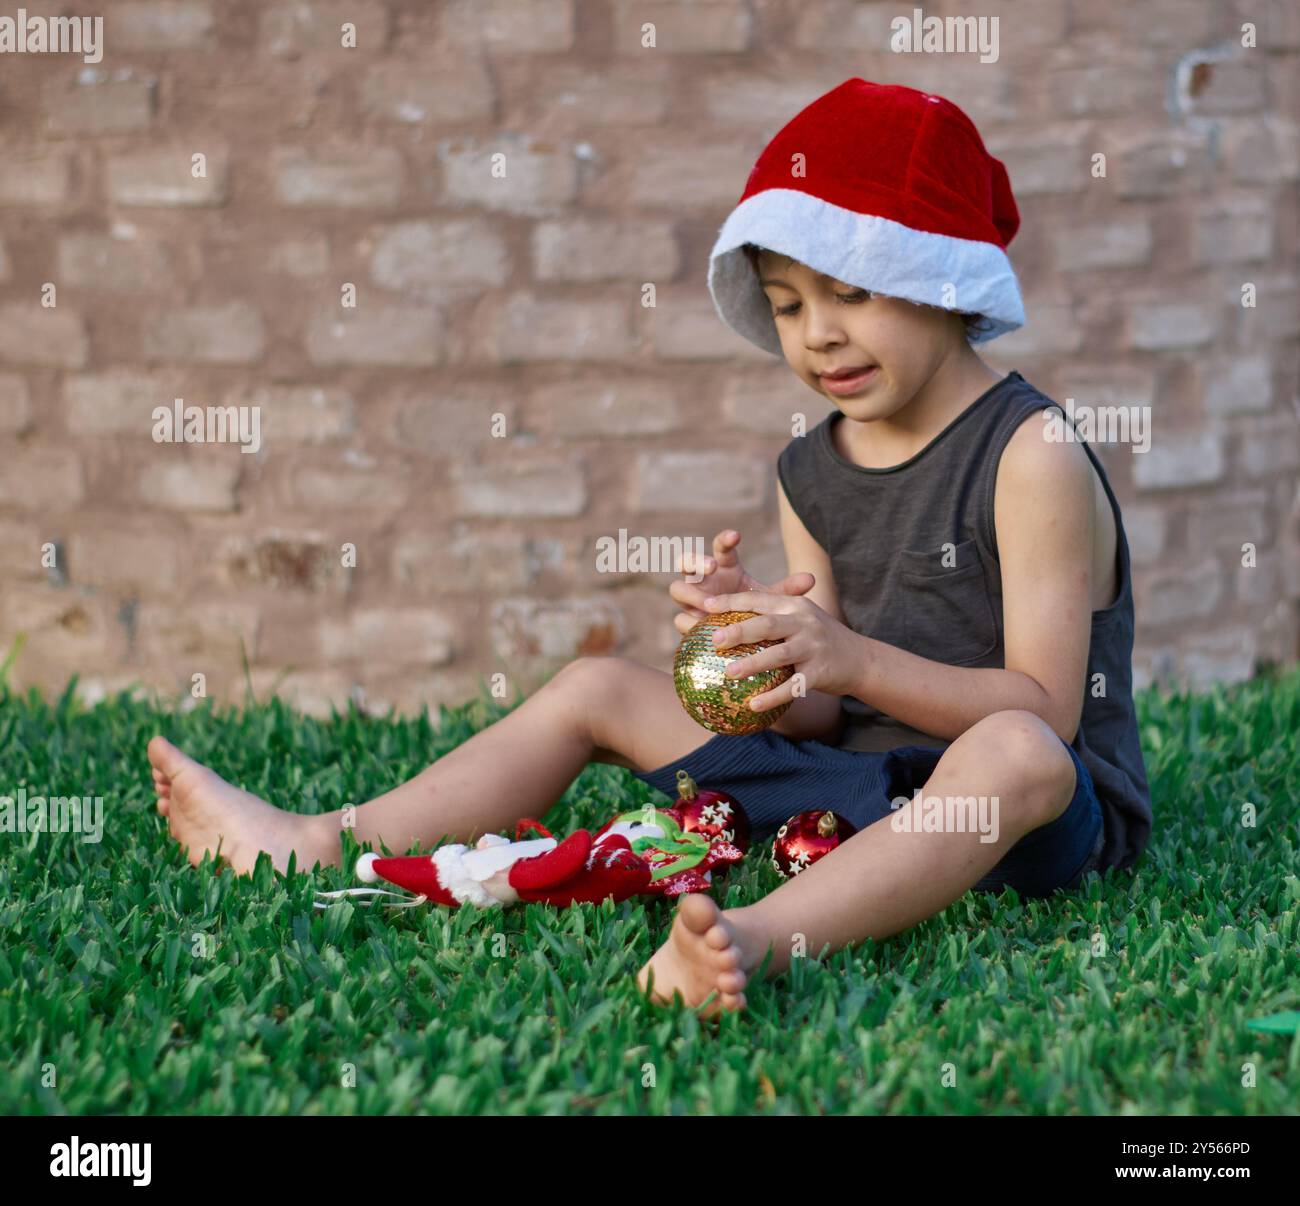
(883, 187)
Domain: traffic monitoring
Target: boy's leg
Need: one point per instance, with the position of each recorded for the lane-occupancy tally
(596, 709)
(880, 881)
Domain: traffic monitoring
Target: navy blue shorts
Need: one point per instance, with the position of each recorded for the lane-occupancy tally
(774, 778)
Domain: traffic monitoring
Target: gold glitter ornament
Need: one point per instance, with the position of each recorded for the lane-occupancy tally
(719, 703)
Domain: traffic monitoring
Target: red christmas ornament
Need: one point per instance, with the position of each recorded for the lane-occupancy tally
(711, 813)
(805, 838)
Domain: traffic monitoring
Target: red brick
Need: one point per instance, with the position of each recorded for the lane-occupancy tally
(685, 326)
(299, 413)
(1180, 459)
(1226, 521)
(1269, 444)
(95, 103)
(41, 478)
(409, 636)
(202, 638)
(288, 31)
(1276, 313)
(376, 335)
(180, 25)
(1159, 325)
(766, 403)
(227, 334)
(1222, 656)
(306, 257)
(1052, 328)
(509, 26)
(527, 327)
(191, 479)
(15, 403)
(1231, 230)
(1225, 86)
(576, 97)
(34, 334)
(515, 485)
(35, 176)
(450, 422)
(699, 482)
(1114, 243)
(540, 176)
(1175, 598)
(691, 27)
(1263, 149)
(21, 552)
(353, 177)
(61, 625)
(90, 261)
(528, 632)
(116, 402)
(424, 259)
(144, 561)
(166, 177)
(441, 90)
(678, 176)
(1146, 164)
(607, 409)
(1044, 159)
(1111, 83)
(351, 487)
(464, 562)
(284, 561)
(1237, 384)
(600, 249)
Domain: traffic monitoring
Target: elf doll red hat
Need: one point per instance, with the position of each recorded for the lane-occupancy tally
(883, 187)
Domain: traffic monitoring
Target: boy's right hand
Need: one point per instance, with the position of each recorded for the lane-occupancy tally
(723, 575)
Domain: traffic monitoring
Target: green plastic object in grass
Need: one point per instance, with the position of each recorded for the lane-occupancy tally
(1278, 1023)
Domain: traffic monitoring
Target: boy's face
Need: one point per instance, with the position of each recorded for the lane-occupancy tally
(827, 326)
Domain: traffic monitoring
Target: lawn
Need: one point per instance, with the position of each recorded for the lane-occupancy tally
(133, 983)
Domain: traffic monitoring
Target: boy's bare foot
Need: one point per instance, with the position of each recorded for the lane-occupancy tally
(705, 953)
(205, 812)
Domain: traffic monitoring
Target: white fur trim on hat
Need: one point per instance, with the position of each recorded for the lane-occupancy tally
(462, 870)
(859, 249)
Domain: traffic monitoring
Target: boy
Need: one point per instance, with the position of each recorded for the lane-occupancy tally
(959, 608)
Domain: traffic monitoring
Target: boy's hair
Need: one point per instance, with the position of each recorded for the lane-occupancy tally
(974, 322)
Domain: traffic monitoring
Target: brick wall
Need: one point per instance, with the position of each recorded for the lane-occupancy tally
(457, 376)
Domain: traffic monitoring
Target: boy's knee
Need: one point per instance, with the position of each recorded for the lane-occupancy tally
(594, 685)
(1038, 764)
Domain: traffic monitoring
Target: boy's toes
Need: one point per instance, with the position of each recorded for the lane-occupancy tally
(718, 937)
(166, 758)
(732, 982)
(734, 1001)
(698, 913)
(727, 958)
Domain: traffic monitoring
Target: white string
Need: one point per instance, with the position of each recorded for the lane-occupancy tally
(402, 901)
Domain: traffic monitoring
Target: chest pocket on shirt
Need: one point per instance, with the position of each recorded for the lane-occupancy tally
(947, 615)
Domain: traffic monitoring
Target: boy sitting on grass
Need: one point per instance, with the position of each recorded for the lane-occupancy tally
(959, 609)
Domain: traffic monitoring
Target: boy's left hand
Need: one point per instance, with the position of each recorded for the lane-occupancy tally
(812, 642)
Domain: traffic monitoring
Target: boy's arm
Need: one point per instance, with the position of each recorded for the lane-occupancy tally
(1043, 513)
(815, 716)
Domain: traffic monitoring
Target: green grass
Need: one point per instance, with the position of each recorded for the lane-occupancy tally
(99, 980)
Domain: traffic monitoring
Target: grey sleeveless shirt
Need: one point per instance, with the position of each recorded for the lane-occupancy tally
(885, 531)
